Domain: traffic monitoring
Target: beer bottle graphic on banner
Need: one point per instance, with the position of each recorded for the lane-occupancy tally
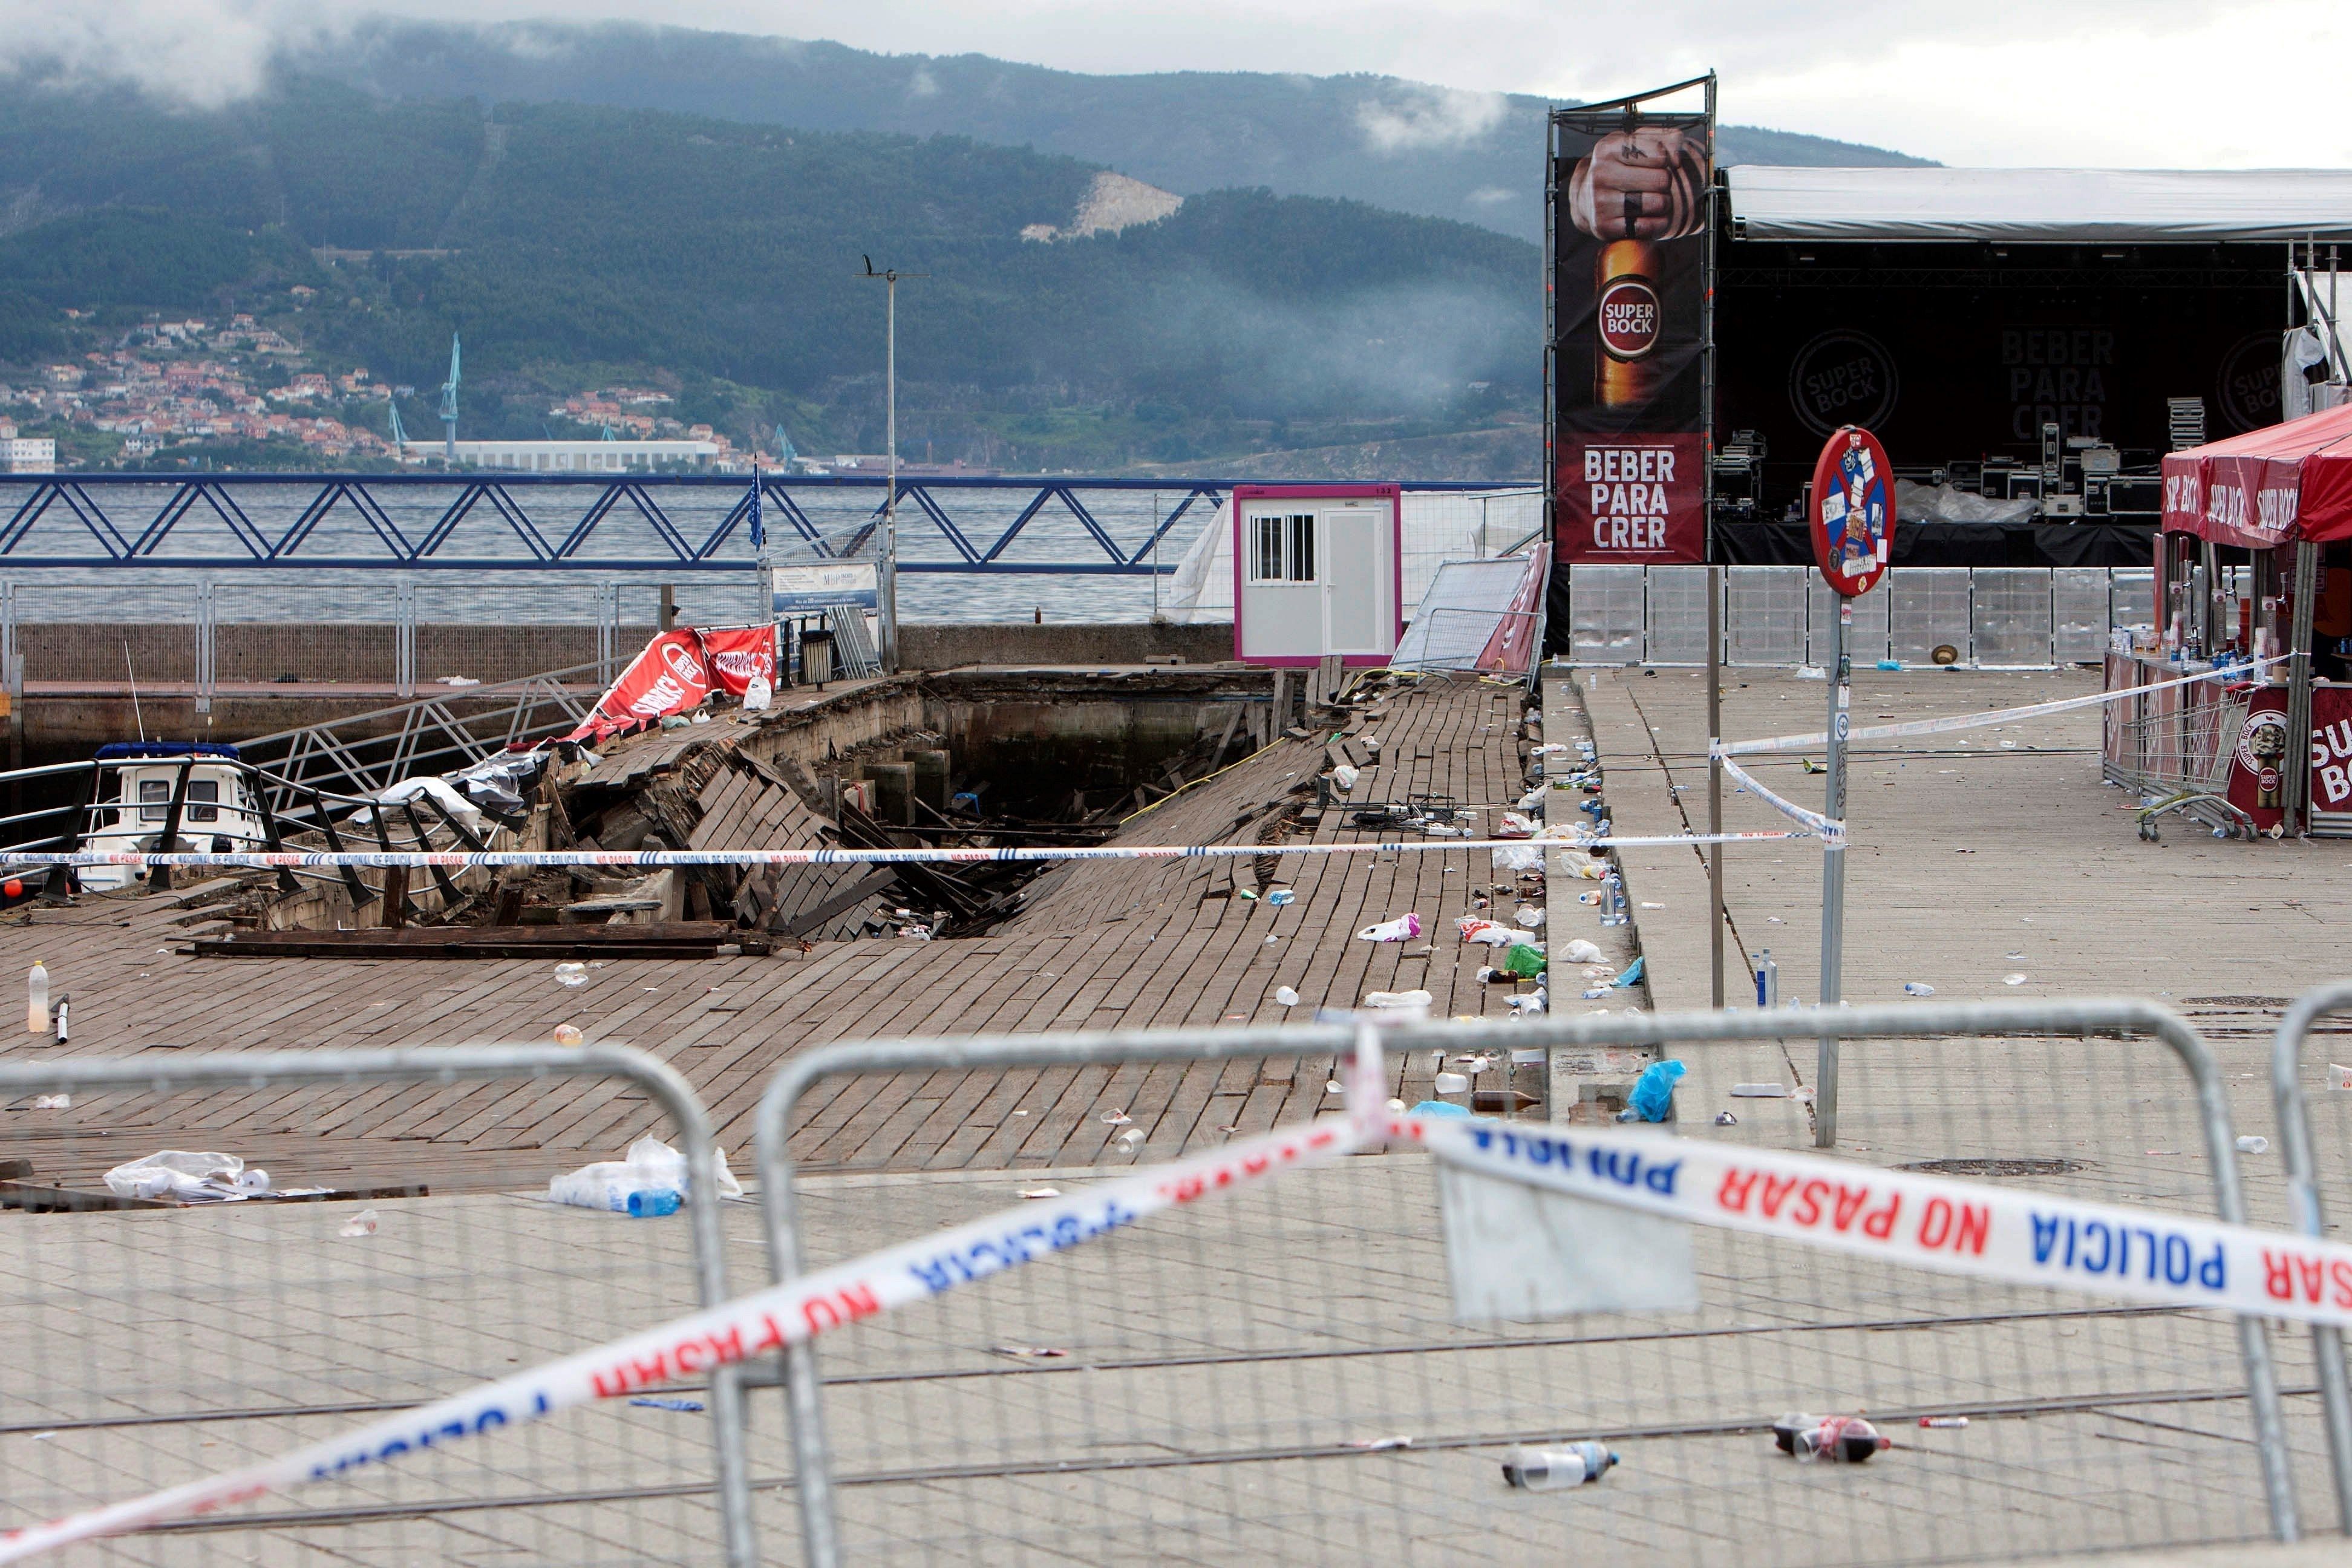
(1625, 289)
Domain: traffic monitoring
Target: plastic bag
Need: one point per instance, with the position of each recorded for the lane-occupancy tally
(192, 1177)
(758, 693)
(1405, 928)
(639, 1184)
(1492, 934)
(1344, 777)
(1523, 959)
(1579, 951)
(1653, 1092)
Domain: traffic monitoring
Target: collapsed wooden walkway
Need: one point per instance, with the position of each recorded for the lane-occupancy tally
(1097, 945)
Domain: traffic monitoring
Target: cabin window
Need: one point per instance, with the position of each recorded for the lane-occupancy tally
(1282, 549)
(204, 800)
(154, 796)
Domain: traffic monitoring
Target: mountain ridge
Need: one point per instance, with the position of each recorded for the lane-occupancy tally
(1405, 145)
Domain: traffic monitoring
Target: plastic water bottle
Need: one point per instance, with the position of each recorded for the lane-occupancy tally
(36, 1000)
(1767, 979)
(1551, 1469)
(1613, 900)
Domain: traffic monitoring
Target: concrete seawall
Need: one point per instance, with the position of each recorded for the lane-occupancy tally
(77, 695)
(163, 652)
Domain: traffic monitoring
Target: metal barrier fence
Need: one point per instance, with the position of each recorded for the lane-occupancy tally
(1283, 1373)
(370, 751)
(157, 1344)
(2312, 1166)
(1991, 617)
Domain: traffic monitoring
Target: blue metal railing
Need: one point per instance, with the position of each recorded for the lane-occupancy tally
(673, 522)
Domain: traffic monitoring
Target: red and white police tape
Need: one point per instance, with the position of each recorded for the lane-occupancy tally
(1953, 722)
(655, 859)
(1926, 1222)
(1819, 826)
(756, 1324)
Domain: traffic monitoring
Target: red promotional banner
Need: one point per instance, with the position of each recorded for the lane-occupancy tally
(1631, 499)
(1627, 211)
(1512, 649)
(2258, 769)
(670, 677)
(736, 654)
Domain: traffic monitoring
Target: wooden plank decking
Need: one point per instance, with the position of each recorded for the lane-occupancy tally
(1100, 944)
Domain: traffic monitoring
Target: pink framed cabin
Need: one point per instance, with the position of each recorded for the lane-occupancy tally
(1318, 572)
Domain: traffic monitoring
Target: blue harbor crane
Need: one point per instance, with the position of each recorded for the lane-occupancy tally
(449, 408)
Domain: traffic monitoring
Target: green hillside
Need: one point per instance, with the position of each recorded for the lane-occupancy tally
(1401, 145)
(574, 243)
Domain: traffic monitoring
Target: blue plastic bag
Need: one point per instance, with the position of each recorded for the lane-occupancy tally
(1653, 1098)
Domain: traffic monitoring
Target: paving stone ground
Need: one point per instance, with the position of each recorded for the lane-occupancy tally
(1230, 1381)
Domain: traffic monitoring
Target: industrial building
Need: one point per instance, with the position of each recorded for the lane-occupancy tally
(568, 457)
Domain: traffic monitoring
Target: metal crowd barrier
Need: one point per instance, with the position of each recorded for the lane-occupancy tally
(2305, 1182)
(1284, 1370)
(1991, 618)
(156, 1344)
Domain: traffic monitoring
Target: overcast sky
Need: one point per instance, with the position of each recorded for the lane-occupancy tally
(2142, 83)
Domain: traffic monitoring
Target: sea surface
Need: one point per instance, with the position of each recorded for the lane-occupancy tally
(1437, 526)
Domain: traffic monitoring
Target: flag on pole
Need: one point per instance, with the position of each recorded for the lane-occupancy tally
(759, 529)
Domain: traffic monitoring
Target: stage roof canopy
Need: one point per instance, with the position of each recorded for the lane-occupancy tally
(2066, 205)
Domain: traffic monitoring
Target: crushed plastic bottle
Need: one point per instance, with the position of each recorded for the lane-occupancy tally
(1725, 1119)
(1280, 897)
(572, 974)
(1399, 1001)
(1553, 1470)
(2252, 1144)
(1839, 1439)
(360, 1224)
(1917, 988)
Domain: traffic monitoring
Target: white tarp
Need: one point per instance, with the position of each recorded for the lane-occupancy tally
(2083, 205)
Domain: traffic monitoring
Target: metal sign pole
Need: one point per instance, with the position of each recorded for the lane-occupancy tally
(890, 574)
(1715, 774)
(1833, 873)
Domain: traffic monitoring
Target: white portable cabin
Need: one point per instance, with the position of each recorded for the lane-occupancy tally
(1318, 572)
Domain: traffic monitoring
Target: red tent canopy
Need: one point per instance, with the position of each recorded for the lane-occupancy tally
(2268, 486)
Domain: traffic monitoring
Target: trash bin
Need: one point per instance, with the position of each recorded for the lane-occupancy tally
(817, 657)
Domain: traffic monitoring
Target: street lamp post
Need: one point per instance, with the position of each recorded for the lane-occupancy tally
(887, 577)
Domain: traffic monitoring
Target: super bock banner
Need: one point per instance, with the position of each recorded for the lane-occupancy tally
(1628, 215)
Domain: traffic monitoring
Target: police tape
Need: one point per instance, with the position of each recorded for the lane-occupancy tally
(1956, 721)
(655, 859)
(1826, 828)
(757, 1324)
(1935, 1223)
